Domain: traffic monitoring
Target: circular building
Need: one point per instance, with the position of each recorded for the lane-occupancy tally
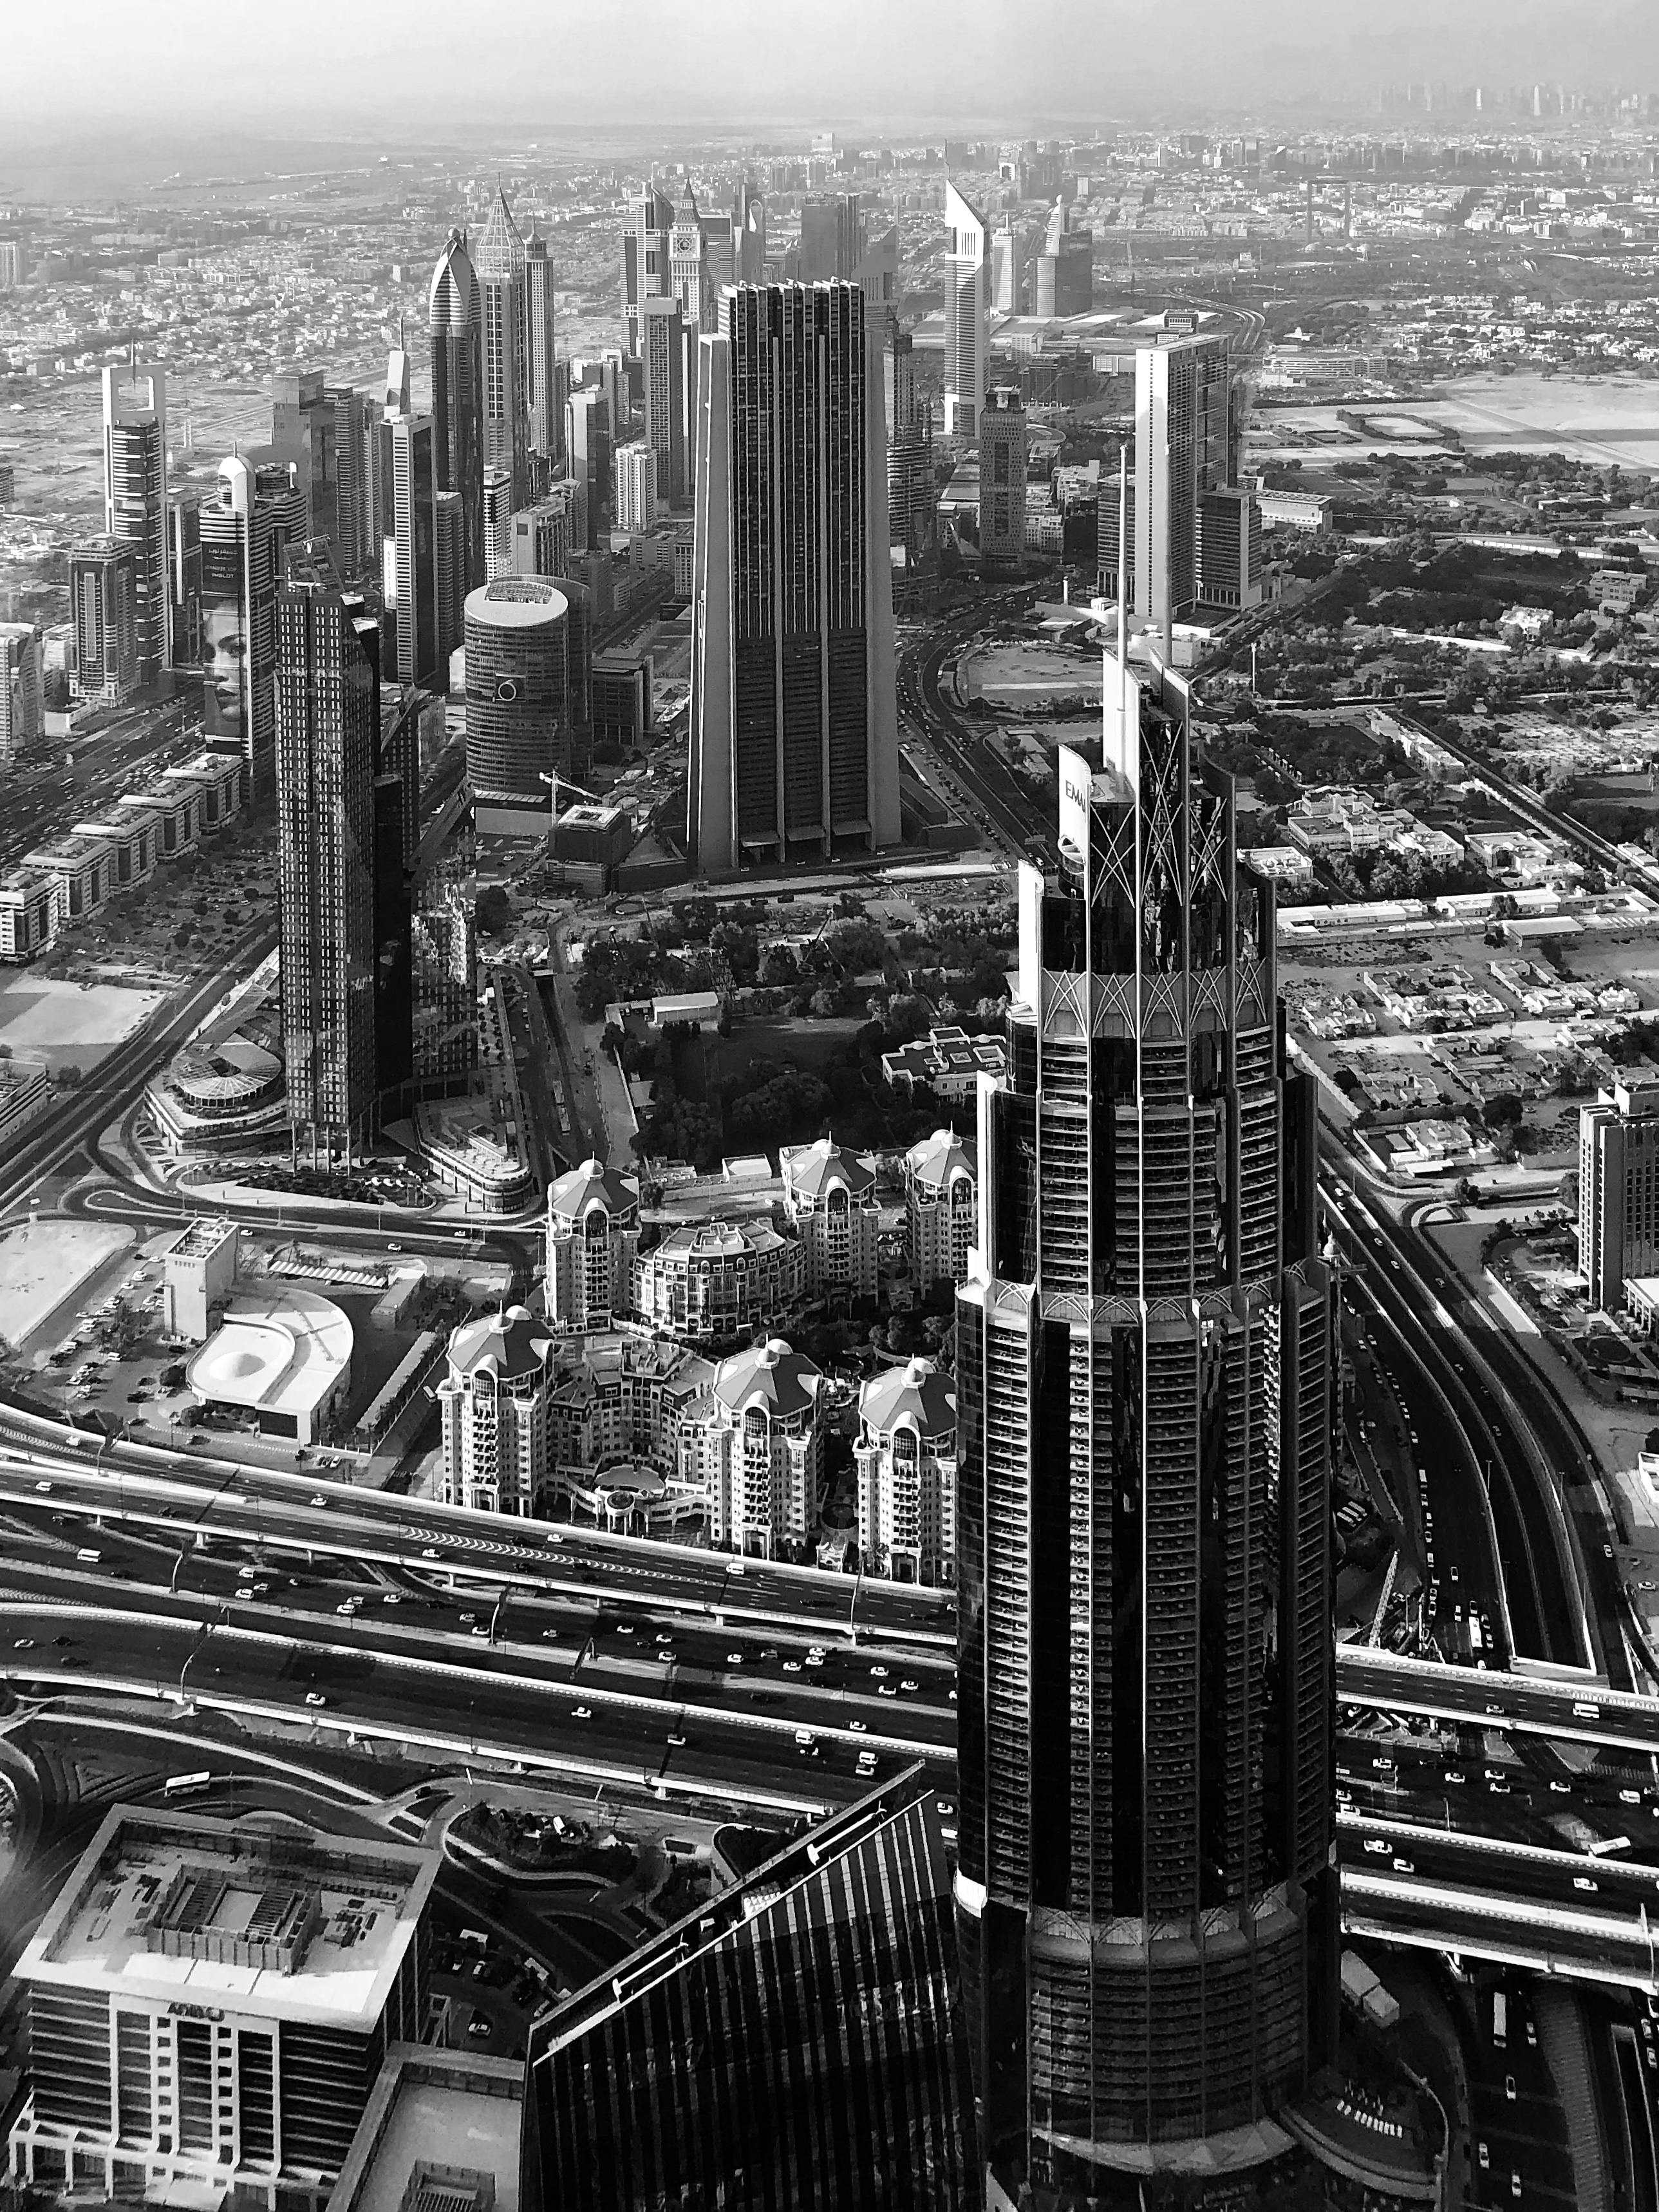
(519, 667)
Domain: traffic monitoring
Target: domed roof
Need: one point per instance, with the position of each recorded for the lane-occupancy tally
(773, 1374)
(590, 1185)
(918, 1392)
(453, 301)
(719, 1240)
(937, 1161)
(810, 1171)
(515, 1341)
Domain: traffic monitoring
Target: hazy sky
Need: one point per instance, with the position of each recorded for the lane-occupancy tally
(553, 66)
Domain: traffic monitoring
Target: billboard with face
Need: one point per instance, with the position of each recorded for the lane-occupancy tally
(224, 643)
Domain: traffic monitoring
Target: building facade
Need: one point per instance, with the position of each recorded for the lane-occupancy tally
(905, 1458)
(829, 1196)
(522, 688)
(544, 371)
(968, 303)
(498, 264)
(1003, 479)
(794, 731)
(211, 2005)
(1618, 1192)
(1146, 1892)
(104, 594)
(796, 2040)
(455, 322)
(709, 1282)
(663, 365)
(941, 1210)
(328, 743)
(245, 533)
(136, 499)
(634, 487)
(754, 1445)
(22, 689)
(593, 1236)
(494, 1401)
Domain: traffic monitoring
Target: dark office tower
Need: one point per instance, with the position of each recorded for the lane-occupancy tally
(328, 742)
(832, 241)
(795, 2041)
(303, 431)
(794, 735)
(663, 349)
(521, 672)
(357, 549)
(644, 260)
(1065, 268)
(455, 320)
(393, 937)
(912, 496)
(498, 523)
(135, 498)
(541, 385)
(247, 533)
(588, 442)
(105, 594)
(498, 263)
(444, 975)
(449, 547)
(185, 578)
(1146, 1902)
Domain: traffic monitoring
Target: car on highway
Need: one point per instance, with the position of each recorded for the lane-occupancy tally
(860, 1727)
(1629, 1796)
(1514, 2182)
(315, 1697)
(625, 1628)
(549, 1634)
(390, 1597)
(1485, 2156)
(879, 1674)
(43, 1485)
(63, 1642)
(665, 1637)
(886, 1689)
(676, 1741)
(1403, 1866)
(581, 1713)
(1562, 1789)
(430, 1553)
(792, 1666)
(24, 1643)
(1452, 1775)
(467, 1619)
(1379, 1847)
(1583, 1882)
(1509, 2086)
(734, 1658)
(815, 1658)
(808, 1751)
(319, 1502)
(908, 1684)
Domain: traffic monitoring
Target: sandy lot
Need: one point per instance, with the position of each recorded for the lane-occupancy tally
(60, 1023)
(41, 1263)
(1016, 673)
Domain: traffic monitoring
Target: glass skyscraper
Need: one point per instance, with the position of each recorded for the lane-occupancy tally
(1147, 1904)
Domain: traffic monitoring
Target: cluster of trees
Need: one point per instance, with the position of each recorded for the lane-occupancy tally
(1403, 876)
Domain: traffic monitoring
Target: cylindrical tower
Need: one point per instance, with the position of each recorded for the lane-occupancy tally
(1146, 1900)
(519, 680)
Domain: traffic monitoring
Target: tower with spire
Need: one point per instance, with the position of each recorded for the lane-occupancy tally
(499, 263)
(455, 320)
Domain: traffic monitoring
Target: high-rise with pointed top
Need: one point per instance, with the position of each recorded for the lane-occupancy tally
(499, 263)
(967, 304)
(1147, 1898)
(456, 321)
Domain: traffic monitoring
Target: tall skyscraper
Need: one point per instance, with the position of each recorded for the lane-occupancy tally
(455, 321)
(498, 263)
(794, 734)
(422, 593)
(525, 681)
(104, 602)
(1193, 534)
(1007, 270)
(796, 2040)
(543, 384)
(303, 431)
(967, 301)
(749, 223)
(688, 268)
(185, 578)
(1065, 267)
(246, 534)
(644, 261)
(1002, 448)
(587, 442)
(547, 536)
(355, 549)
(22, 689)
(663, 349)
(1146, 1897)
(136, 499)
(633, 482)
(912, 495)
(328, 743)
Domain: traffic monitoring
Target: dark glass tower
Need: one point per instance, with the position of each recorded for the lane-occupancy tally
(1146, 1902)
(796, 2041)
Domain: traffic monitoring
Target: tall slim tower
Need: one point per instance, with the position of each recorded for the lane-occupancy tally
(967, 300)
(245, 532)
(328, 743)
(662, 360)
(1146, 1900)
(543, 398)
(644, 260)
(135, 499)
(499, 266)
(749, 223)
(794, 731)
(1190, 516)
(455, 320)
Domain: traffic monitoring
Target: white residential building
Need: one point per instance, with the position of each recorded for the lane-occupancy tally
(755, 1440)
(829, 1196)
(593, 1234)
(494, 1405)
(941, 1210)
(906, 1461)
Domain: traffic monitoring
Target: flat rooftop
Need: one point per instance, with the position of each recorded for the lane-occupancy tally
(434, 2108)
(272, 1924)
(280, 1350)
(203, 1236)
